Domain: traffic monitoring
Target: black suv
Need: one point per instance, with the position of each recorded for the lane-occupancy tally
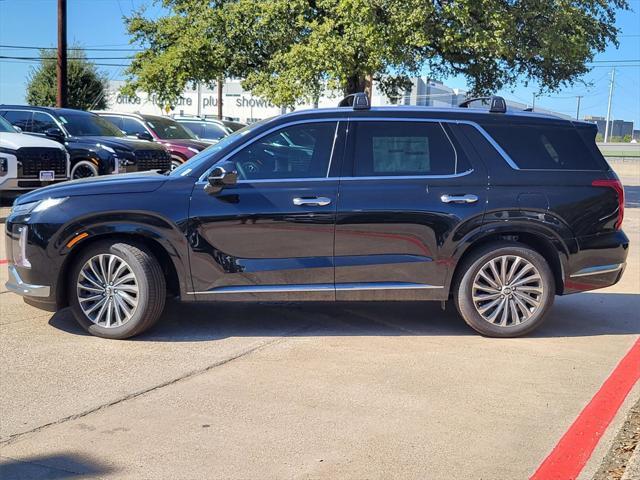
(495, 211)
(96, 146)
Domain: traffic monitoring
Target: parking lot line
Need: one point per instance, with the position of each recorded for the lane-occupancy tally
(572, 452)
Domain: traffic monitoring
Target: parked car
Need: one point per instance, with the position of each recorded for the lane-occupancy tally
(232, 125)
(95, 146)
(211, 130)
(180, 141)
(495, 211)
(28, 162)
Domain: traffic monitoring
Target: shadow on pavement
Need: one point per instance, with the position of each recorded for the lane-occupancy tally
(631, 196)
(50, 467)
(572, 316)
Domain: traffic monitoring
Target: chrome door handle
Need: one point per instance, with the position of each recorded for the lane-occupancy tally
(312, 201)
(459, 198)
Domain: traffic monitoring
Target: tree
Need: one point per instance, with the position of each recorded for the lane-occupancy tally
(87, 86)
(292, 50)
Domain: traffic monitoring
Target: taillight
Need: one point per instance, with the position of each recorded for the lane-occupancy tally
(617, 186)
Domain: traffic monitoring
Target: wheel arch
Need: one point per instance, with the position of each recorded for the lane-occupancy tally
(554, 249)
(172, 266)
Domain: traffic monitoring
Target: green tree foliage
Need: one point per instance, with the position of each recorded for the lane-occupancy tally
(291, 50)
(86, 85)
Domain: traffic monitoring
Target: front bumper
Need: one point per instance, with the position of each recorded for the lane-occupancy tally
(15, 184)
(16, 285)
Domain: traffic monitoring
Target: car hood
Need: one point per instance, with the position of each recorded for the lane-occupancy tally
(119, 143)
(136, 182)
(183, 142)
(16, 140)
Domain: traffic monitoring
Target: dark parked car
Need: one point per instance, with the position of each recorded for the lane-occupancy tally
(495, 211)
(181, 142)
(95, 146)
(206, 129)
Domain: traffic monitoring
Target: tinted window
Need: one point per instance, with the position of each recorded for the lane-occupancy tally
(298, 151)
(19, 118)
(42, 122)
(117, 121)
(131, 126)
(545, 147)
(195, 127)
(213, 131)
(5, 126)
(87, 124)
(168, 129)
(402, 148)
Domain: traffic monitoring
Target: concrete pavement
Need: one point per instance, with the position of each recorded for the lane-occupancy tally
(306, 390)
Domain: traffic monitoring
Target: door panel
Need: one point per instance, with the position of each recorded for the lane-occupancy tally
(267, 238)
(394, 233)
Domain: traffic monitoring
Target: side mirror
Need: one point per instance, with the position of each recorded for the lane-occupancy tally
(17, 128)
(221, 176)
(54, 133)
(144, 136)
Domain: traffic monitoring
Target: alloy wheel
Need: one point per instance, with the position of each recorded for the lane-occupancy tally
(507, 290)
(82, 171)
(107, 290)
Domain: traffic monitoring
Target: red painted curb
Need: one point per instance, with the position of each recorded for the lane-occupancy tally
(570, 455)
(3, 261)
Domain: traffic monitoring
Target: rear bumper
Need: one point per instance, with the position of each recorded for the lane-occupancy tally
(600, 262)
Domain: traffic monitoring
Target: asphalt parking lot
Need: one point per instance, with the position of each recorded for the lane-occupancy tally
(266, 391)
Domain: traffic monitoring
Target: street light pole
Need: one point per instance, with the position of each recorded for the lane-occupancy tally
(606, 126)
(61, 65)
(578, 97)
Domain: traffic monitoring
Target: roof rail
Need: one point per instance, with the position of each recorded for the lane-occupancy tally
(496, 104)
(359, 101)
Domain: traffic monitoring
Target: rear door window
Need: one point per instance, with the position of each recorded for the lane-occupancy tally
(545, 147)
(19, 118)
(403, 149)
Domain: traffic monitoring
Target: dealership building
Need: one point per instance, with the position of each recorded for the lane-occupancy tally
(240, 105)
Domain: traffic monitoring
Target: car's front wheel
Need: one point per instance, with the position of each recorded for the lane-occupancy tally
(505, 290)
(116, 289)
(83, 169)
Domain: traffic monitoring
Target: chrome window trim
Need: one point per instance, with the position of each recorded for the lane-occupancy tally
(203, 178)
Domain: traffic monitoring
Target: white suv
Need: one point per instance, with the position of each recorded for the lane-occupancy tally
(28, 162)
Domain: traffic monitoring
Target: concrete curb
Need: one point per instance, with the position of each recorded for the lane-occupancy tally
(633, 467)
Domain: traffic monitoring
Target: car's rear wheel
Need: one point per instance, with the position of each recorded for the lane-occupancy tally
(116, 289)
(84, 169)
(504, 290)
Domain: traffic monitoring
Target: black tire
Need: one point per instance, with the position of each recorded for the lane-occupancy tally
(150, 283)
(83, 169)
(176, 162)
(463, 289)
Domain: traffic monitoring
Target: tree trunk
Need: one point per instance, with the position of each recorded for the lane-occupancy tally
(357, 83)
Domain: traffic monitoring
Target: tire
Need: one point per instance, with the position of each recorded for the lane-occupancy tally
(526, 304)
(175, 163)
(83, 169)
(134, 302)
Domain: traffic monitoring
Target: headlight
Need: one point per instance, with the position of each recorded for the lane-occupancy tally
(39, 206)
(108, 149)
(194, 150)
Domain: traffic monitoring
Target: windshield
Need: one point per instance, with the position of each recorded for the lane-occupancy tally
(84, 125)
(168, 129)
(6, 126)
(205, 155)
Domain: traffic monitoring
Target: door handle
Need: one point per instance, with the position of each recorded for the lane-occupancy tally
(446, 198)
(312, 201)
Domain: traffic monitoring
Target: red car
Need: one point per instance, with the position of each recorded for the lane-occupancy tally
(179, 140)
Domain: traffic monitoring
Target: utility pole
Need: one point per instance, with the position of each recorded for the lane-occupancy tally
(199, 110)
(533, 105)
(61, 66)
(219, 85)
(578, 97)
(606, 126)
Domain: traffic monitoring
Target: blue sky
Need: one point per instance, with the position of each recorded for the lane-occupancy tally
(98, 24)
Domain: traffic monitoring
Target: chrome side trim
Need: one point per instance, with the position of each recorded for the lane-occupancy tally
(407, 177)
(384, 286)
(16, 285)
(321, 287)
(598, 270)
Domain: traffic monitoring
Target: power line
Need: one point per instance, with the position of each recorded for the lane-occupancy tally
(37, 59)
(24, 47)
